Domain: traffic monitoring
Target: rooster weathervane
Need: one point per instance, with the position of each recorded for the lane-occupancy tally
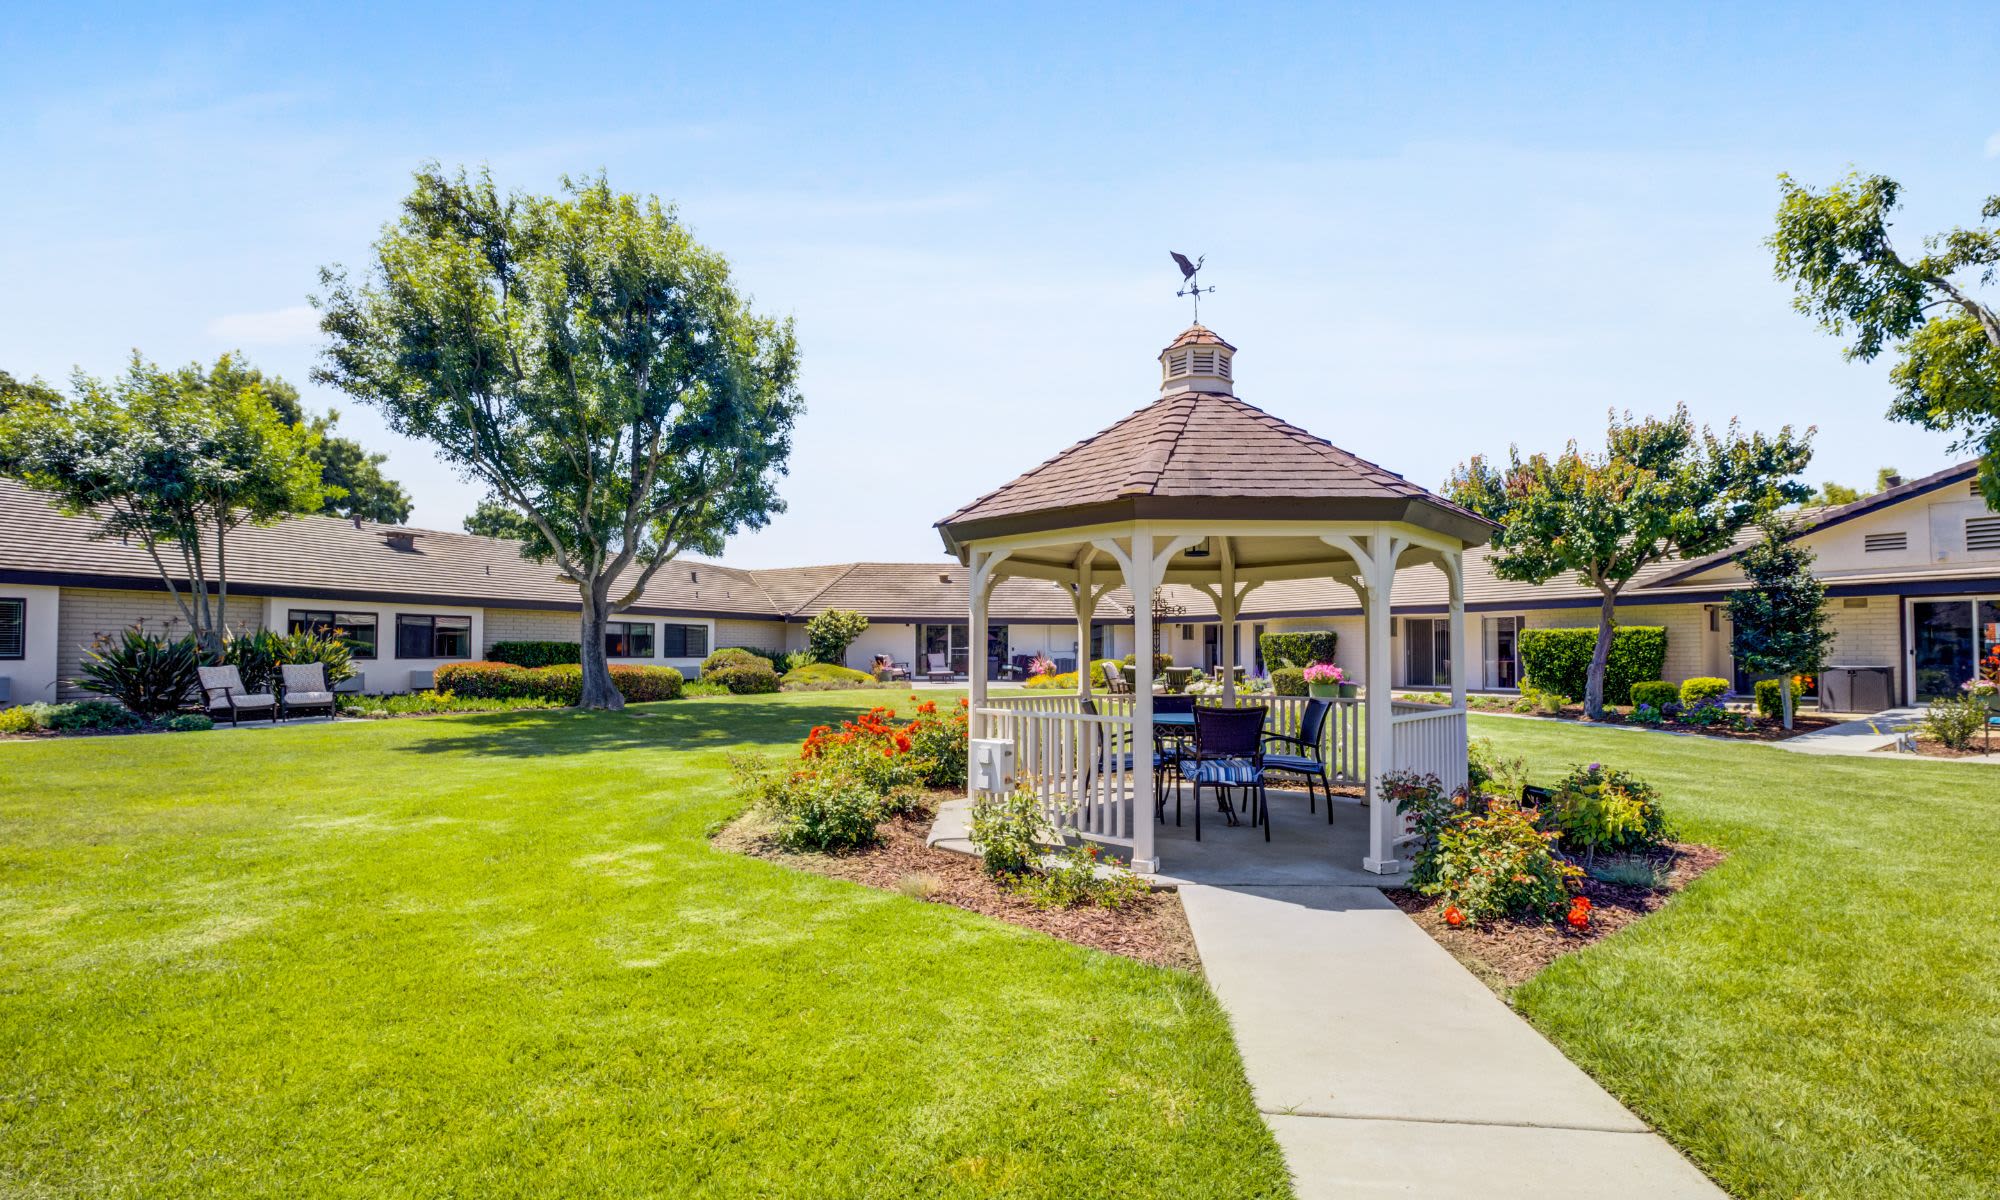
(1190, 285)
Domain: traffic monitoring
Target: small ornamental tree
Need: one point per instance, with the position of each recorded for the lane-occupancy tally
(174, 461)
(1660, 489)
(829, 634)
(585, 359)
(1833, 247)
(1780, 620)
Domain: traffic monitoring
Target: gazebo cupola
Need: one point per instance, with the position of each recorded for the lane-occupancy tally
(1197, 361)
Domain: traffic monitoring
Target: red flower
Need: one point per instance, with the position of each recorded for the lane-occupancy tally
(1453, 917)
(1579, 918)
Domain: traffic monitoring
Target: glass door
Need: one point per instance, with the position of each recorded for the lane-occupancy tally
(1945, 645)
(1427, 652)
(944, 647)
(1502, 645)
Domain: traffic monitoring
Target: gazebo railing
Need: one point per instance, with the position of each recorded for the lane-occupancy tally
(1077, 765)
(1429, 739)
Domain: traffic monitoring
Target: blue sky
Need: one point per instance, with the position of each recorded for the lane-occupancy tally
(1434, 232)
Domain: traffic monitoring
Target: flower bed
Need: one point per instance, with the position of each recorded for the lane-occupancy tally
(1754, 729)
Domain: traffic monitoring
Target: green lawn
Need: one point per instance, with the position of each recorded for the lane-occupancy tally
(1820, 1015)
(495, 956)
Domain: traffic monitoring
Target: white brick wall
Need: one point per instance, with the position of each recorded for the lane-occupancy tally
(762, 635)
(524, 625)
(88, 614)
(1867, 636)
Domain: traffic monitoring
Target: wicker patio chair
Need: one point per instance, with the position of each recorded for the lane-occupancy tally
(306, 689)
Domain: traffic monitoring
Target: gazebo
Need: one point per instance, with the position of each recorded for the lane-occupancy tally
(1201, 489)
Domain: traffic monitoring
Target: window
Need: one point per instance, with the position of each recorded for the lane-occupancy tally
(13, 628)
(433, 637)
(628, 639)
(356, 629)
(1873, 542)
(1982, 533)
(683, 641)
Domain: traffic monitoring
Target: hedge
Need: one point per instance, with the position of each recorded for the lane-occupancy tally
(535, 654)
(1558, 660)
(562, 683)
(737, 656)
(1656, 692)
(1301, 649)
(744, 679)
(1701, 689)
(821, 673)
(1289, 681)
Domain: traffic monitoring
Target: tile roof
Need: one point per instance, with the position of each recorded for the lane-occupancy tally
(1198, 334)
(1196, 445)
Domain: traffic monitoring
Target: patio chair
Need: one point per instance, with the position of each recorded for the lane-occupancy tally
(1170, 747)
(888, 668)
(222, 691)
(305, 689)
(937, 668)
(1228, 753)
(1116, 754)
(1304, 756)
(1114, 680)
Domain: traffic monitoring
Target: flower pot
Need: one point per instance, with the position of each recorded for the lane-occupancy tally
(1349, 691)
(1324, 691)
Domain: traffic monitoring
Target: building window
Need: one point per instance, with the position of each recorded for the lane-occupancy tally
(628, 639)
(683, 641)
(356, 629)
(433, 637)
(13, 628)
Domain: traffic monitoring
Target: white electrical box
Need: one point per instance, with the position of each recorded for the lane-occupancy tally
(992, 762)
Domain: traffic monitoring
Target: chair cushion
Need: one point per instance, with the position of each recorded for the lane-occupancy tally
(1294, 762)
(301, 699)
(256, 700)
(1230, 772)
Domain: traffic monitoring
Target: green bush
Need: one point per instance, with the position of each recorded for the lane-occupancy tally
(1078, 875)
(830, 633)
(188, 723)
(737, 656)
(19, 719)
(1771, 699)
(86, 715)
(1535, 700)
(826, 673)
(536, 654)
(1009, 831)
(823, 811)
(403, 704)
(745, 679)
(1955, 720)
(1558, 660)
(1646, 714)
(561, 684)
(149, 675)
(1701, 689)
(1597, 808)
(1301, 649)
(257, 656)
(1656, 692)
(1289, 681)
(1487, 773)
(1499, 863)
(1160, 663)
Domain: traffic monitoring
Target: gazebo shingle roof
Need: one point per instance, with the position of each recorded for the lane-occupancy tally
(1198, 446)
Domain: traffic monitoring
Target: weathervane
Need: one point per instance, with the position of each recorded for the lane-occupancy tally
(1190, 286)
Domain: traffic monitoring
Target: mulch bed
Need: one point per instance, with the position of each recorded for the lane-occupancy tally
(1926, 746)
(1154, 929)
(1765, 730)
(1510, 952)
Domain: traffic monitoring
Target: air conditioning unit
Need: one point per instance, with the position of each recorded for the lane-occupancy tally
(992, 762)
(420, 679)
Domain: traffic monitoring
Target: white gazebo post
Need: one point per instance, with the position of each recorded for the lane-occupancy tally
(1376, 555)
(979, 582)
(1140, 580)
(1086, 612)
(1454, 571)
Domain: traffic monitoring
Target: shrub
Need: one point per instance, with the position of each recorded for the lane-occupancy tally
(561, 684)
(746, 679)
(1547, 704)
(737, 656)
(1301, 649)
(149, 675)
(1656, 692)
(823, 811)
(257, 656)
(1498, 863)
(794, 659)
(1078, 875)
(830, 633)
(1955, 720)
(1705, 715)
(405, 704)
(1289, 681)
(188, 723)
(1008, 831)
(1645, 714)
(19, 719)
(1595, 808)
(1067, 680)
(1771, 697)
(825, 673)
(1422, 800)
(535, 654)
(1558, 660)
(86, 715)
(1160, 662)
(1701, 689)
(1488, 774)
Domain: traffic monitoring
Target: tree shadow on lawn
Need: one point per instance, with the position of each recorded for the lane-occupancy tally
(671, 725)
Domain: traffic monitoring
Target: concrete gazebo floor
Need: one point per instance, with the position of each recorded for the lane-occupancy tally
(1303, 850)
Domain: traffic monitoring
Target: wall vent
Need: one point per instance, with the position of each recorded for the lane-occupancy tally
(1982, 534)
(1899, 540)
(1855, 602)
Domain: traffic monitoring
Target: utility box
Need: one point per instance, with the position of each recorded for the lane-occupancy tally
(992, 763)
(1851, 689)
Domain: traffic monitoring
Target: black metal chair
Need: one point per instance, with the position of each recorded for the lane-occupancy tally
(1170, 746)
(1228, 753)
(1305, 758)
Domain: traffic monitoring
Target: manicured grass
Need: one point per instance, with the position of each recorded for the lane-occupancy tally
(495, 956)
(1820, 1015)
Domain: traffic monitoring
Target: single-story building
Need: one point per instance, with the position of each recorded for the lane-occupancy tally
(1913, 576)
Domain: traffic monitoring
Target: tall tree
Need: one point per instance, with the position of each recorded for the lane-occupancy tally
(1660, 489)
(1834, 248)
(356, 486)
(584, 358)
(1780, 622)
(173, 460)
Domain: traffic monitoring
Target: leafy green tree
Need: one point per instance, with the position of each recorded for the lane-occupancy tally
(353, 476)
(1833, 494)
(830, 633)
(495, 520)
(172, 460)
(1834, 248)
(1659, 490)
(585, 359)
(1780, 620)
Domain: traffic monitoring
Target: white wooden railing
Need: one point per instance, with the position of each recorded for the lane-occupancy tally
(1429, 739)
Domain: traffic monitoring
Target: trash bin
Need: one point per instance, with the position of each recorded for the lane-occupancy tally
(1857, 689)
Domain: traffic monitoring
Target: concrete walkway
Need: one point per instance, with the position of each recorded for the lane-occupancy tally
(1864, 735)
(1385, 1069)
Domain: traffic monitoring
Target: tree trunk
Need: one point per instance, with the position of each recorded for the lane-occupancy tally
(598, 689)
(1785, 690)
(1593, 685)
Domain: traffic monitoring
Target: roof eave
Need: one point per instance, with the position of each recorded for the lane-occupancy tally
(1464, 527)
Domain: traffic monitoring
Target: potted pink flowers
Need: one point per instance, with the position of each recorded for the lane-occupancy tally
(1327, 681)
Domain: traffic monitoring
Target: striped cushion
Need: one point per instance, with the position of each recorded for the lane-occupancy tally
(1229, 772)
